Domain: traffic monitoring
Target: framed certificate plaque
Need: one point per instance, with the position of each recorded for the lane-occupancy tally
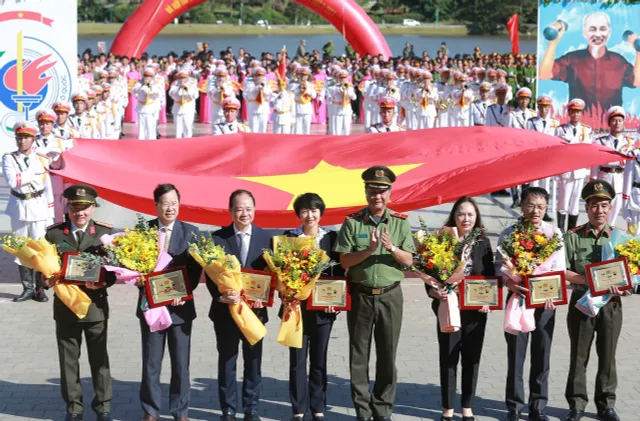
(77, 270)
(610, 273)
(258, 285)
(330, 291)
(165, 286)
(550, 285)
(479, 291)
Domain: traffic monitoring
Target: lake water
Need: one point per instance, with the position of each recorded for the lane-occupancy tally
(257, 44)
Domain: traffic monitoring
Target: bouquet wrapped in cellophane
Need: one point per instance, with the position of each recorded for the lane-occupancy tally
(440, 255)
(225, 271)
(43, 257)
(132, 255)
(526, 250)
(621, 244)
(297, 263)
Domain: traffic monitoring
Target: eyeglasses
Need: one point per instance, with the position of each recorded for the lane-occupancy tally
(531, 207)
(167, 205)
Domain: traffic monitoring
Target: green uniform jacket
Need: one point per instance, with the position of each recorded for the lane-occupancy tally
(583, 247)
(380, 269)
(61, 235)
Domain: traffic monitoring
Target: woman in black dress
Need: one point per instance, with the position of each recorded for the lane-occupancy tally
(311, 393)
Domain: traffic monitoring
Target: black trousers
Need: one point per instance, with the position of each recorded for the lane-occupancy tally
(466, 343)
(374, 318)
(69, 338)
(228, 335)
(605, 327)
(310, 392)
(178, 340)
(541, 339)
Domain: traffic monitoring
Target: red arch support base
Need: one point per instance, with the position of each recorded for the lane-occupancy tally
(345, 15)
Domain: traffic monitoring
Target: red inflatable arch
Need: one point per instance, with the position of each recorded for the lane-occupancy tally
(345, 15)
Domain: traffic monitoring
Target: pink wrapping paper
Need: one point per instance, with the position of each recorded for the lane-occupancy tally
(449, 314)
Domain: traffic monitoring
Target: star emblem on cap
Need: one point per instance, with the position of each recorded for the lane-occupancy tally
(379, 173)
(81, 192)
(598, 187)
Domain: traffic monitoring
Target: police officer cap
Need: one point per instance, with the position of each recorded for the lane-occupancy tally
(80, 194)
(598, 188)
(379, 177)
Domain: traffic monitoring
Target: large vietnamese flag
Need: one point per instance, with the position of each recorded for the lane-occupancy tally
(433, 166)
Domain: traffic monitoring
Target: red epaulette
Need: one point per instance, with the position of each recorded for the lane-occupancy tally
(355, 214)
(400, 215)
(55, 225)
(103, 224)
(576, 229)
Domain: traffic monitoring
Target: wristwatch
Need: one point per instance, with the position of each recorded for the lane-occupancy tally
(393, 248)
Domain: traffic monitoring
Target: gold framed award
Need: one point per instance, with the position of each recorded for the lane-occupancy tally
(330, 291)
(165, 286)
(258, 285)
(550, 285)
(479, 291)
(610, 273)
(77, 270)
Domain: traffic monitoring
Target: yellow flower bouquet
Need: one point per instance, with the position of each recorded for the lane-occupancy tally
(297, 263)
(526, 248)
(43, 257)
(225, 271)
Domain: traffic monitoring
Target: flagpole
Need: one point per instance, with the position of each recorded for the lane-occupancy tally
(19, 64)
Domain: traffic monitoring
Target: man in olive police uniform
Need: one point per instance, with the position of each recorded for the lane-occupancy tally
(82, 234)
(583, 245)
(375, 244)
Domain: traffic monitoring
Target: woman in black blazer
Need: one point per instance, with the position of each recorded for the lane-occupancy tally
(466, 342)
(311, 393)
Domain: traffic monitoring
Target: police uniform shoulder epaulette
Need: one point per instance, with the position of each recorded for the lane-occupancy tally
(576, 229)
(103, 224)
(355, 214)
(50, 227)
(400, 215)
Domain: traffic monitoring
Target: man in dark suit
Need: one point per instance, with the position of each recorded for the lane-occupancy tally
(81, 234)
(245, 241)
(178, 236)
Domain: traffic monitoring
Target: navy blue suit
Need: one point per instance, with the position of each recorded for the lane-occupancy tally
(311, 392)
(228, 334)
(177, 336)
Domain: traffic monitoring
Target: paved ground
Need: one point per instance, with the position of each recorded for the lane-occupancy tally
(29, 375)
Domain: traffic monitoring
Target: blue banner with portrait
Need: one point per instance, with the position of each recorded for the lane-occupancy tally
(590, 50)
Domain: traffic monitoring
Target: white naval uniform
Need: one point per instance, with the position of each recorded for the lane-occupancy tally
(444, 103)
(613, 172)
(382, 128)
(548, 126)
(66, 131)
(216, 95)
(631, 193)
(341, 99)
(374, 93)
(284, 108)
(460, 111)
(518, 118)
(29, 216)
(230, 128)
(184, 107)
(303, 108)
(408, 103)
(479, 112)
(497, 115)
(147, 108)
(86, 125)
(426, 112)
(258, 113)
(570, 183)
(367, 101)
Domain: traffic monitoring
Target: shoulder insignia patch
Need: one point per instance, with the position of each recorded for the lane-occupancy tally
(103, 224)
(355, 214)
(400, 215)
(59, 224)
(576, 229)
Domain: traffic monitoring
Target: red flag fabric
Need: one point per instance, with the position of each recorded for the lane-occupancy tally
(432, 166)
(512, 27)
(282, 66)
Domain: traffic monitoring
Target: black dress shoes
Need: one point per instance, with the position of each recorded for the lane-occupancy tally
(74, 417)
(512, 415)
(103, 416)
(443, 418)
(381, 418)
(574, 415)
(317, 417)
(25, 296)
(228, 417)
(471, 418)
(608, 414)
(41, 297)
(538, 416)
(298, 418)
(251, 416)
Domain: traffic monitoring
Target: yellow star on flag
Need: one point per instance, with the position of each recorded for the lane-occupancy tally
(339, 187)
(20, 14)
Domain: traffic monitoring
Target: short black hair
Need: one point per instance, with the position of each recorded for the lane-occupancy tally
(237, 193)
(309, 201)
(164, 189)
(535, 191)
